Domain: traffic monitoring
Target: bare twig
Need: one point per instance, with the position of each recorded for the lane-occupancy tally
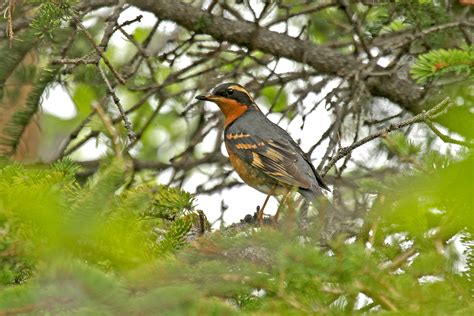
(380, 298)
(110, 129)
(312, 8)
(98, 50)
(79, 144)
(115, 98)
(446, 138)
(409, 36)
(356, 25)
(75, 61)
(72, 136)
(422, 117)
(11, 7)
(138, 18)
(398, 261)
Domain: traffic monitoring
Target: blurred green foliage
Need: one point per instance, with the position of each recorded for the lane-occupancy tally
(117, 243)
(103, 247)
(275, 97)
(55, 215)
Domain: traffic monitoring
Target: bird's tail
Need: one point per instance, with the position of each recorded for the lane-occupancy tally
(311, 195)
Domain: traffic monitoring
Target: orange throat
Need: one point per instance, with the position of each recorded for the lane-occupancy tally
(232, 110)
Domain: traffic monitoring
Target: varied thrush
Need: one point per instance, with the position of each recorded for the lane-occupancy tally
(262, 153)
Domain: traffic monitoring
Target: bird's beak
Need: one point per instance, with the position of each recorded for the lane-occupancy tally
(206, 97)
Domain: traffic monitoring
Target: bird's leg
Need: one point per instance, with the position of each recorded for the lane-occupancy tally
(260, 210)
(283, 201)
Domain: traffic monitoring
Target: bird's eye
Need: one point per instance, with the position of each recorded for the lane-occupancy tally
(230, 92)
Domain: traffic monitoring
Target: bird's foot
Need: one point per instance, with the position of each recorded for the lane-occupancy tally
(257, 219)
(260, 215)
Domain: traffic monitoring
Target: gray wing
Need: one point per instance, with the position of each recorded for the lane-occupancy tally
(269, 148)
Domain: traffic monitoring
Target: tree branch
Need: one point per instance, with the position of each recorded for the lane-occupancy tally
(422, 117)
(322, 59)
(446, 138)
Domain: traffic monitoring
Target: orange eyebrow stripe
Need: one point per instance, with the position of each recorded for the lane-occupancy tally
(238, 88)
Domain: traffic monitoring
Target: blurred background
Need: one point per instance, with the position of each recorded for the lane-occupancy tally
(112, 174)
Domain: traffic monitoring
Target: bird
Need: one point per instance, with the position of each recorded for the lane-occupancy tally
(262, 153)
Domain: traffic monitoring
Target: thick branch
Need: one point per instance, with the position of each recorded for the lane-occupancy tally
(324, 60)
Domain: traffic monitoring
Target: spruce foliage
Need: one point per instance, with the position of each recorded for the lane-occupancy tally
(107, 249)
(441, 62)
(12, 56)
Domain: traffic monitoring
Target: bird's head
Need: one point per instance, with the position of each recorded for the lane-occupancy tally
(232, 99)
